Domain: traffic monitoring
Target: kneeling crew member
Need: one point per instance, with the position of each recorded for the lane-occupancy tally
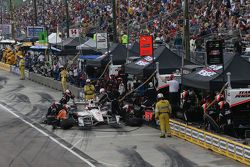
(162, 112)
(62, 115)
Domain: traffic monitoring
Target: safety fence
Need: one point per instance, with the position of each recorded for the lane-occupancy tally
(5, 67)
(218, 144)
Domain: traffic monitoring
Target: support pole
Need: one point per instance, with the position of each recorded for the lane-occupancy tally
(186, 30)
(35, 12)
(12, 21)
(67, 17)
(114, 22)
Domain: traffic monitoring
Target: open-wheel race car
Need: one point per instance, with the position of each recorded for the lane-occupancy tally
(89, 114)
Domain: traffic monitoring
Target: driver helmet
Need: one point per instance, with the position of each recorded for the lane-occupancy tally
(102, 90)
(160, 96)
(87, 80)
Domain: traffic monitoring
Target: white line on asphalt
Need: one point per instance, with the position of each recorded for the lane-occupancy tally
(46, 134)
(76, 143)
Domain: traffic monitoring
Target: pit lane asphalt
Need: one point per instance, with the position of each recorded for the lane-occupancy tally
(23, 145)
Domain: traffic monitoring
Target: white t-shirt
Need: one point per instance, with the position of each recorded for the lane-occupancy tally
(75, 72)
(41, 58)
(173, 86)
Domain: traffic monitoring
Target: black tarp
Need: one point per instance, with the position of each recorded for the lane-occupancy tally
(68, 46)
(169, 62)
(134, 50)
(118, 53)
(211, 77)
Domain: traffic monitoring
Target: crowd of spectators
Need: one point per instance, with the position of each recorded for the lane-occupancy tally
(161, 18)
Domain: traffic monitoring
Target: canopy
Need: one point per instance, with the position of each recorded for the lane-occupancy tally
(169, 62)
(211, 77)
(53, 38)
(89, 44)
(118, 53)
(89, 47)
(42, 47)
(87, 57)
(134, 50)
(68, 46)
(27, 39)
(70, 42)
(7, 41)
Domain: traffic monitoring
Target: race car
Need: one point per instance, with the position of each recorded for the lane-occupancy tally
(90, 114)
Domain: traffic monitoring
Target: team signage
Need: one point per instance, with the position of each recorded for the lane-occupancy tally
(5, 29)
(34, 31)
(211, 141)
(101, 41)
(210, 71)
(145, 61)
(146, 45)
(74, 33)
(214, 52)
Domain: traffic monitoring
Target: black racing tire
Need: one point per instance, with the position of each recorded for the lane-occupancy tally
(67, 123)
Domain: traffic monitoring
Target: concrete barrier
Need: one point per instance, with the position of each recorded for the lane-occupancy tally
(5, 67)
(15, 70)
(54, 84)
(218, 144)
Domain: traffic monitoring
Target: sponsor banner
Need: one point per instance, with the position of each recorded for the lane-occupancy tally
(230, 152)
(33, 31)
(215, 144)
(146, 45)
(223, 145)
(195, 136)
(210, 71)
(201, 137)
(188, 131)
(74, 33)
(247, 153)
(239, 150)
(5, 29)
(101, 41)
(214, 52)
(5, 67)
(208, 141)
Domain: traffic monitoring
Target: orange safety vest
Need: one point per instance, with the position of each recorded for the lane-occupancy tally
(62, 114)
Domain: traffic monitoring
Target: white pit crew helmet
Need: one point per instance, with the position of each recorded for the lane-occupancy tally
(160, 95)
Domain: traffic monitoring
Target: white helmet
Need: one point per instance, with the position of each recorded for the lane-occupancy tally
(150, 84)
(67, 91)
(87, 80)
(102, 90)
(160, 95)
(66, 106)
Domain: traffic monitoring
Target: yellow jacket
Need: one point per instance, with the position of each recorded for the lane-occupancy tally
(89, 89)
(64, 74)
(163, 106)
(21, 63)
